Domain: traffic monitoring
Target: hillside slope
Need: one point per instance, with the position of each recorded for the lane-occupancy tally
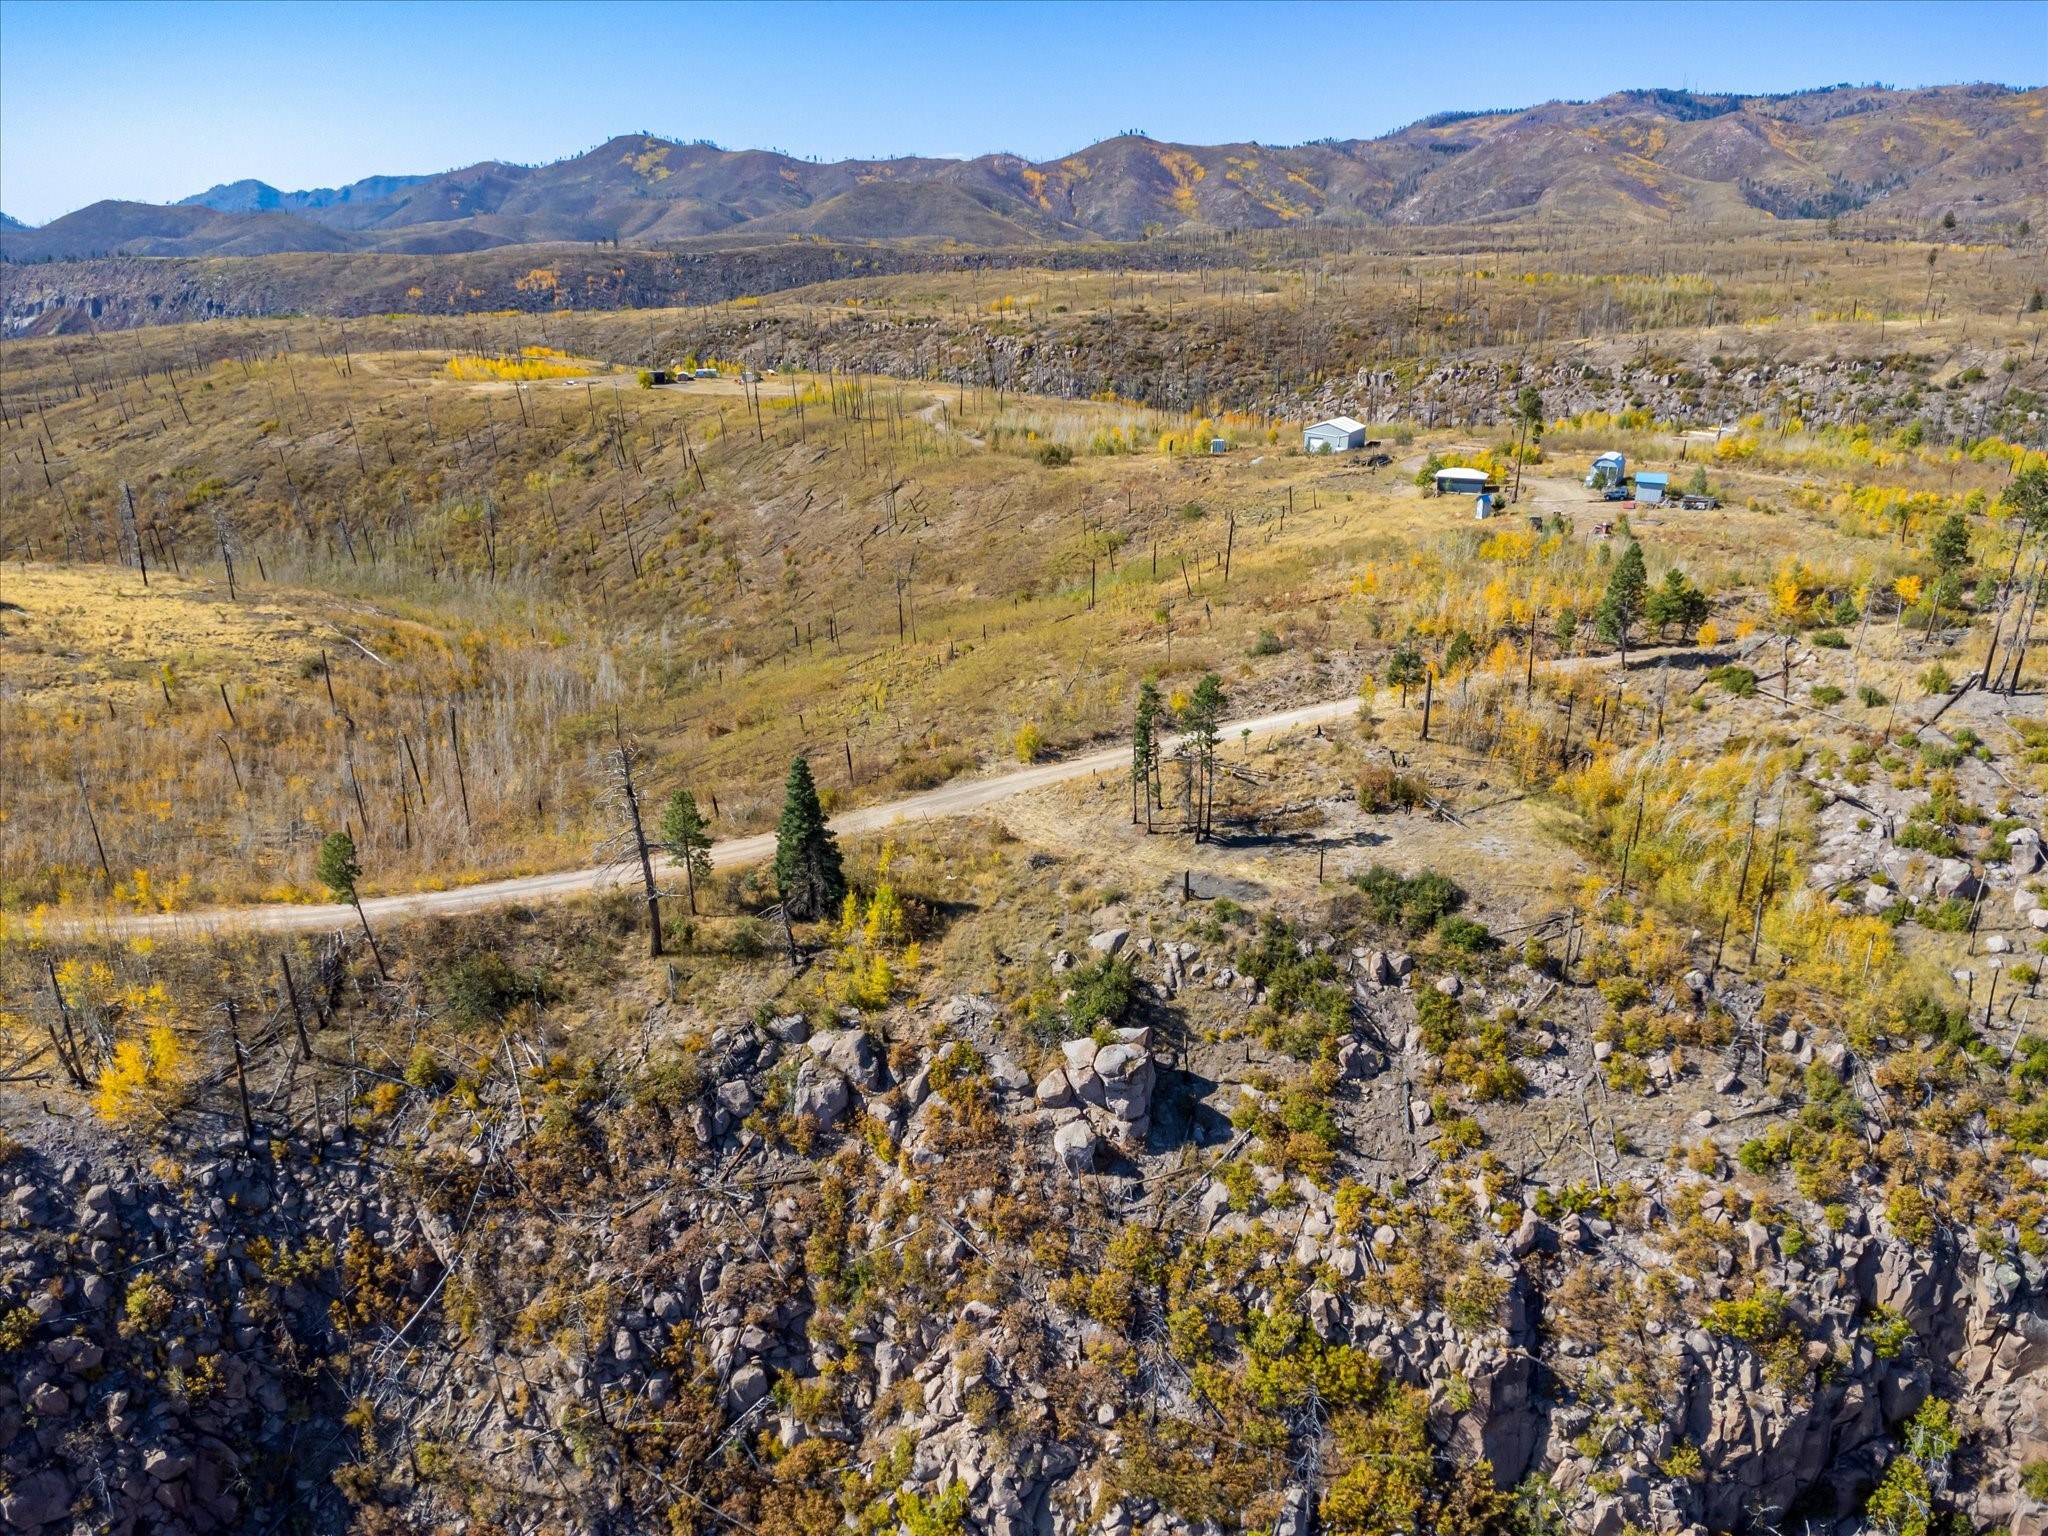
(1976, 151)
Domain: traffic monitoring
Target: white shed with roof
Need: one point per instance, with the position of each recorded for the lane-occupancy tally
(1458, 481)
(1339, 434)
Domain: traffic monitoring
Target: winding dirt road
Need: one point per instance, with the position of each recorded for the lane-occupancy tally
(959, 798)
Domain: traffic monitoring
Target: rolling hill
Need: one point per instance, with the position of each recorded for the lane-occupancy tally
(1977, 151)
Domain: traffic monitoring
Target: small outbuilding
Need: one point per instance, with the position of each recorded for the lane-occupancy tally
(1650, 489)
(1461, 482)
(1613, 466)
(1340, 434)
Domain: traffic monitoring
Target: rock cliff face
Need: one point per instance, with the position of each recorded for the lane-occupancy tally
(472, 1310)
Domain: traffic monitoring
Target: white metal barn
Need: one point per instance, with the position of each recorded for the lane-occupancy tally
(1339, 434)
(1459, 481)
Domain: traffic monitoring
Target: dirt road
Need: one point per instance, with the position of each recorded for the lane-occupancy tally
(960, 798)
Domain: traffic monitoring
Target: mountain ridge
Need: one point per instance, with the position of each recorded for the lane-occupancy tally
(252, 196)
(1979, 152)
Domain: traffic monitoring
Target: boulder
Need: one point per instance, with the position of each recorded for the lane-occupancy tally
(1110, 941)
(821, 1094)
(1127, 1074)
(36, 1501)
(853, 1052)
(1054, 1090)
(2024, 855)
(790, 1028)
(1076, 1143)
(736, 1098)
(748, 1386)
(1953, 879)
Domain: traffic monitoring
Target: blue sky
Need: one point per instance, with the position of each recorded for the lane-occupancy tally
(157, 101)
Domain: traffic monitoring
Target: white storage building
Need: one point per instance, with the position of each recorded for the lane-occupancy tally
(1339, 434)
(1461, 482)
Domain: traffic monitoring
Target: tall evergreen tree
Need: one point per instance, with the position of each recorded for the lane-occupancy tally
(1405, 670)
(1678, 602)
(1205, 722)
(2028, 496)
(807, 868)
(1627, 589)
(1144, 748)
(686, 840)
(1950, 545)
(339, 870)
(1529, 412)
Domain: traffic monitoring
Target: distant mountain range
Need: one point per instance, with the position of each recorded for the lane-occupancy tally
(1977, 151)
(261, 197)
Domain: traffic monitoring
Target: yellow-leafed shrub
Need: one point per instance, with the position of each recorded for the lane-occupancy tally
(142, 1077)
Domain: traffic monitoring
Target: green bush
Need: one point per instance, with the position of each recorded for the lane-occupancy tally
(1416, 903)
(1463, 934)
(1952, 916)
(1827, 695)
(1757, 1319)
(1055, 455)
(1927, 837)
(1100, 994)
(1307, 1007)
(423, 1070)
(479, 988)
(1872, 698)
(1833, 639)
(1268, 644)
(1739, 681)
(1888, 1332)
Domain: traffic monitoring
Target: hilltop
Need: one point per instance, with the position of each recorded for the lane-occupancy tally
(1979, 152)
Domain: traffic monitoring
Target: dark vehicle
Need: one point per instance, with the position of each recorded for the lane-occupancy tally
(1379, 461)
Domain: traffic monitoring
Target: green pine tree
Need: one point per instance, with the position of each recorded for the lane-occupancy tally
(1144, 748)
(338, 868)
(1950, 546)
(686, 840)
(1627, 590)
(1205, 721)
(1678, 602)
(807, 869)
(2027, 495)
(1406, 669)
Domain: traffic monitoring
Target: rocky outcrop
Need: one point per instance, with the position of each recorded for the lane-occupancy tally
(1099, 1093)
